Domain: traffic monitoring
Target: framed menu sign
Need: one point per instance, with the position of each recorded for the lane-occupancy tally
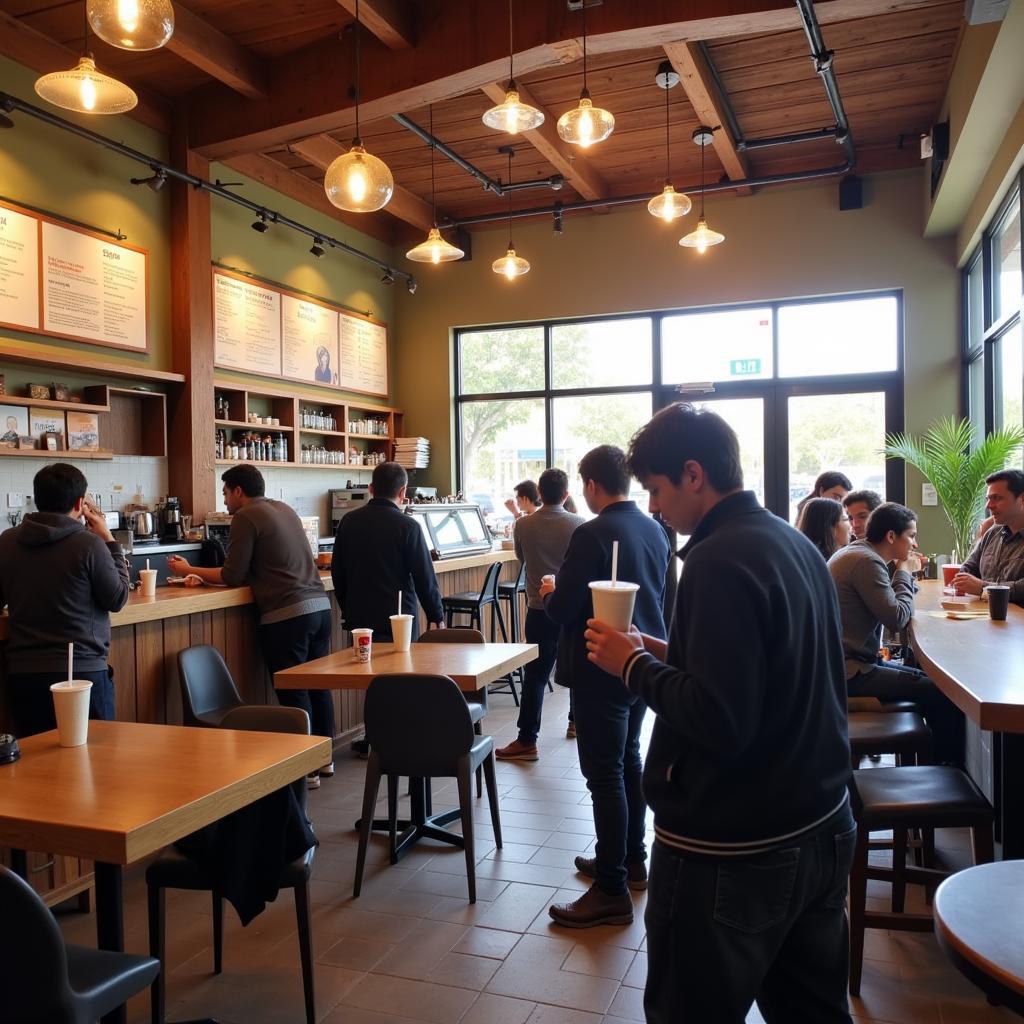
(246, 325)
(19, 269)
(364, 355)
(309, 337)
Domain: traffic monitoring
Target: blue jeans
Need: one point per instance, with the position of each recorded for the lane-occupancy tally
(31, 703)
(540, 630)
(608, 742)
(723, 933)
(294, 642)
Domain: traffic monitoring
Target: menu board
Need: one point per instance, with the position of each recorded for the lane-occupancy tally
(309, 338)
(246, 326)
(364, 355)
(19, 269)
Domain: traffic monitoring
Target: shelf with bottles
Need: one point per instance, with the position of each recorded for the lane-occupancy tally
(252, 444)
(320, 418)
(369, 422)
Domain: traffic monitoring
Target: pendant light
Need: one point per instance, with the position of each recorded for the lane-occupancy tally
(85, 90)
(585, 124)
(511, 265)
(513, 116)
(358, 181)
(132, 24)
(435, 249)
(702, 236)
(670, 203)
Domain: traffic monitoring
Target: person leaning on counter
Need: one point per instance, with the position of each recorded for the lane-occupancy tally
(998, 557)
(61, 575)
(268, 550)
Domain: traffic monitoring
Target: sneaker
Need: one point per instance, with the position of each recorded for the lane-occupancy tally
(570, 731)
(517, 751)
(360, 747)
(313, 781)
(636, 874)
(327, 771)
(594, 907)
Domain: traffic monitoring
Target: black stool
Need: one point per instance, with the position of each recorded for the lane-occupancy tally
(902, 733)
(509, 590)
(473, 604)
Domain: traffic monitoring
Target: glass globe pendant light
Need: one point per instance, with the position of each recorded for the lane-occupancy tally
(435, 249)
(85, 90)
(132, 24)
(670, 204)
(510, 265)
(702, 236)
(513, 116)
(357, 181)
(585, 124)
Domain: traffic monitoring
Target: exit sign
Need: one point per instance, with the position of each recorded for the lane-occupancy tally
(744, 367)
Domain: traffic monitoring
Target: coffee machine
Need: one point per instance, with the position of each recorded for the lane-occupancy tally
(169, 521)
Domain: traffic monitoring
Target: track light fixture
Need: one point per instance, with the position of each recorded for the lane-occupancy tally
(155, 181)
(317, 248)
(411, 285)
(388, 278)
(260, 224)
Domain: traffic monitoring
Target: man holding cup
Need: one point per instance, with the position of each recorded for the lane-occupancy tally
(61, 575)
(998, 557)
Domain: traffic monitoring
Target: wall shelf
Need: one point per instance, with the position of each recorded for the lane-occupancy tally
(64, 359)
(62, 455)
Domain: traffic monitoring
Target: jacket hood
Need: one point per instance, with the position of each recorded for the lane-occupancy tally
(41, 528)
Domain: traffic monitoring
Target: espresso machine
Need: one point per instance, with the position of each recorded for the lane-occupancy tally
(169, 521)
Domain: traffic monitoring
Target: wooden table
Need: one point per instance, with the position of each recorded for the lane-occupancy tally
(472, 666)
(133, 789)
(978, 915)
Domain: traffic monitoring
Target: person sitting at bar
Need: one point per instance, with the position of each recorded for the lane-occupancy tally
(526, 500)
(826, 525)
(859, 505)
(868, 601)
(830, 484)
(998, 557)
(61, 575)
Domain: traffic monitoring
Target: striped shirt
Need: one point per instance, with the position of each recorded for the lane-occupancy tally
(999, 558)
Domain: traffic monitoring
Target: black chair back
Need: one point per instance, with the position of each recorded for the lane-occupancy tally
(452, 635)
(418, 725)
(489, 591)
(206, 684)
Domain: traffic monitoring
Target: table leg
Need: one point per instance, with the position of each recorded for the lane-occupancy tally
(1010, 794)
(110, 921)
(19, 863)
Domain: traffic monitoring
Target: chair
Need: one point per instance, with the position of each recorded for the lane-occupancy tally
(473, 604)
(903, 733)
(420, 726)
(509, 590)
(44, 981)
(208, 692)
(176, 870)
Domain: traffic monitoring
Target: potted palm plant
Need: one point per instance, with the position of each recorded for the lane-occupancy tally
(944, 456)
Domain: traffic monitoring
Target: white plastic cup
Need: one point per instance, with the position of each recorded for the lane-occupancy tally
(613, 603)
(401, 631)
(148, 578)
(362, 641)
(71, 706)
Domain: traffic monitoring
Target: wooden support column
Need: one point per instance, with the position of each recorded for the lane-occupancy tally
(190, 460)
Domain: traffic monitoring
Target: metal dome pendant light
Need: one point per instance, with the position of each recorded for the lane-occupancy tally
(132, 24)
(510, 265)
(670, 204)
(85, 90)
(357, 181)
(513, 116)
(585, 124)
(435, 249)
(702, 236)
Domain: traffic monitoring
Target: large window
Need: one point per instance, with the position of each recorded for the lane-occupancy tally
(807, 385)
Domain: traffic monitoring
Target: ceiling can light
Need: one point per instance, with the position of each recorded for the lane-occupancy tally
(670, 204)
(585, 124)
(435, 249)
(512, 115)
(510, 265)
(702, 236)
(357, 181)
(132, 24)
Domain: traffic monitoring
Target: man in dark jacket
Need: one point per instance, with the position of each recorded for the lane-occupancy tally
(749, 758)
(608, 718)
(61, 575)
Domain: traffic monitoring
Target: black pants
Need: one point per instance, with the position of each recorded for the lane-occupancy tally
(294, 642)
(31, 703)
(540, 630)
(723, 933)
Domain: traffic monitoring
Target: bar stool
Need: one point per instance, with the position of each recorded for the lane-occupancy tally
(903, 733)
(919, 796)
(509, 590)
(473, 604)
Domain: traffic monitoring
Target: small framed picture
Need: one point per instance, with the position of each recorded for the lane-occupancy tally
(3, 386)
(45, 421)
(83, 431)
(53, 442)
(60, 392)
(40, 391)
(26, 442)
(13, 423)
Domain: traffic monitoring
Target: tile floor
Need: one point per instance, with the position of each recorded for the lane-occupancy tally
(412, 949)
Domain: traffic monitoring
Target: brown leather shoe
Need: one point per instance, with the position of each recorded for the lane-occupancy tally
(594, 907)
(636, 874)
(517, 751)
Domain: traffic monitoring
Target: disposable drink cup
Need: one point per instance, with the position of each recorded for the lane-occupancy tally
(948, 572)
(71, 706)
(148, 578)
(362, 641)
(613, 602)
(998, 601)
(401, 631)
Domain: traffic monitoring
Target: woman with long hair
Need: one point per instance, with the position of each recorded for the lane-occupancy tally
(830, 484)
(826, 524)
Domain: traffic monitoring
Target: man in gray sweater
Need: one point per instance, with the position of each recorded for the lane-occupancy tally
(868, 601)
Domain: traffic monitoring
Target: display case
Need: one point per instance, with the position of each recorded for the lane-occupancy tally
(452, 530)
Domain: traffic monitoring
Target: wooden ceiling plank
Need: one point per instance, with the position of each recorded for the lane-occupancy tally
(391, 21)
(695, 78)
(206, 47)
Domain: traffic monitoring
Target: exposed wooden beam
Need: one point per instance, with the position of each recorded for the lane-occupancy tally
(322, 150)
(695, 78)
(39, 52)
(391, 21)
(572, 166)
(310, 193)
(199, 43)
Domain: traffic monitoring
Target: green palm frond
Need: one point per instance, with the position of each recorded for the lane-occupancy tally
(943, 455)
